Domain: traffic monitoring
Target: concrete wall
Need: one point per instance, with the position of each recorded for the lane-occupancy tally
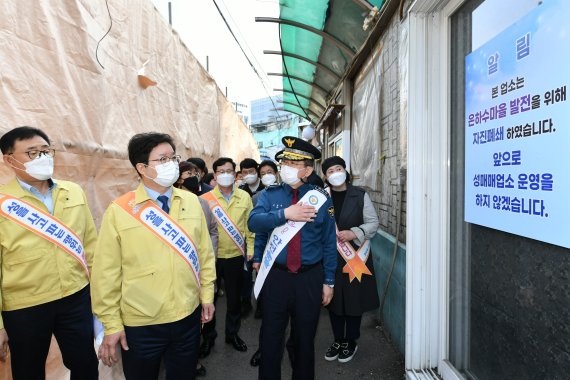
(393, 316)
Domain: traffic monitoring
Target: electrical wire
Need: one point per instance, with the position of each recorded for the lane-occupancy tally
(246, 45)
(246, 56)
(289, 79)
(105, 35)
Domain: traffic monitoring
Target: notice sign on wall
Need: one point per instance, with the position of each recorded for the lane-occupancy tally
(517, 128)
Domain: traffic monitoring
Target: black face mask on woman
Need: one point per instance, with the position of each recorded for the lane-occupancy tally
(192, 184)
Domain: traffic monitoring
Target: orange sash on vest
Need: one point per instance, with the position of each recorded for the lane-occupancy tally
(163, 227)
(44, 225)
(355, 260)
(225, 221)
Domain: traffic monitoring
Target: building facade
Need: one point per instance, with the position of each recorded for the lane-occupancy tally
(269, 125)
(243, 111)
(462, 300)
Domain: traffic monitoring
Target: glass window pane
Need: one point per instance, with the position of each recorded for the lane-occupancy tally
(508, 294)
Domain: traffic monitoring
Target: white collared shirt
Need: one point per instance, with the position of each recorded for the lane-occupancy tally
(47, 198)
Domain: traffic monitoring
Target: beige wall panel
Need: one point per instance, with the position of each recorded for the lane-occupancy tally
(50, 79)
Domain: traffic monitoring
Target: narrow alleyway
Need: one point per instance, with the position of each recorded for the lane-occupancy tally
(376, 358)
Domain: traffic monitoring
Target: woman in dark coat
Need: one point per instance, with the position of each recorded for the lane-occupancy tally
(355, 286)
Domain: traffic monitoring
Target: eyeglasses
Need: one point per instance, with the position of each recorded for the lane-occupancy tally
(229, 171)
(163, 160)
(191, 173)
(33, 154)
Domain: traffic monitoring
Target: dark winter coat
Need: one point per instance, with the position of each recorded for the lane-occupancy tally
(358, 215)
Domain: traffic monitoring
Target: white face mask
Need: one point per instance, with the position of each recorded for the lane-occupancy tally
(250, 179)
(268, 179)
(289, 175)
(166, 174)
(225, 180)
(337, 178)
(41, 168)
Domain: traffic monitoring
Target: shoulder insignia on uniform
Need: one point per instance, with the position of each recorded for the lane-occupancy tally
(331, 211)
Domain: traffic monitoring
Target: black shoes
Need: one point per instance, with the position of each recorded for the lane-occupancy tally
(237, 342)
(347, 351)
(256, 358)
(206, 347)
(343, 351)
(332, 352)
(200, 370)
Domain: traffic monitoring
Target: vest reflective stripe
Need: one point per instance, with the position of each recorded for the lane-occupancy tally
(281, 236)
(163, 227)
(43, 225)
(49, 228)
(225, 221)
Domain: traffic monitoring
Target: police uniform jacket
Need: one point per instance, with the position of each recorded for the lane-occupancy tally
(318, 238)
(359, 216)
(137, 279)
(33, 270)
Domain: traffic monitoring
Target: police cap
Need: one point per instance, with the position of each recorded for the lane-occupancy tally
(297, 149)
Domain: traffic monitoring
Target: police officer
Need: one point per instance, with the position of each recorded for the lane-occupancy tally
(313, 179)
(302, 277)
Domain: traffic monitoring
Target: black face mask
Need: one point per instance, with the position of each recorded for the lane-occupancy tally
(192, 184)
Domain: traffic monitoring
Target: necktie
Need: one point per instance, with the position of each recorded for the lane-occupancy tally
(294, 248)
(164, 200)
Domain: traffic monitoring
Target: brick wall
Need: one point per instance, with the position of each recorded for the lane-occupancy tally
(393, 143)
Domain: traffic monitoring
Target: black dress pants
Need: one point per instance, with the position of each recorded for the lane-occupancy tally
(297, 296)
(231, 271)
(71, 322)
(247, 287)
(177, 343)
(209, 332)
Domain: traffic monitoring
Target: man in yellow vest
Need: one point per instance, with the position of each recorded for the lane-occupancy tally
(47, 238)
(154, 269)
(231, 207)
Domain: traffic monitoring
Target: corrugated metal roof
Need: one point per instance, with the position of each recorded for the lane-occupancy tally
(319, 39)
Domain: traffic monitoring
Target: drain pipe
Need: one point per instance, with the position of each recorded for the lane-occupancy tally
(401, 184)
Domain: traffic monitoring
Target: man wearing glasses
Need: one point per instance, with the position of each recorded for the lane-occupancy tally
(295, 256)
(47, 239)
(231, 207)
(153, 272)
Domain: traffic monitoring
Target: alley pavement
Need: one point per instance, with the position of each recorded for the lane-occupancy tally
(376, 357)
